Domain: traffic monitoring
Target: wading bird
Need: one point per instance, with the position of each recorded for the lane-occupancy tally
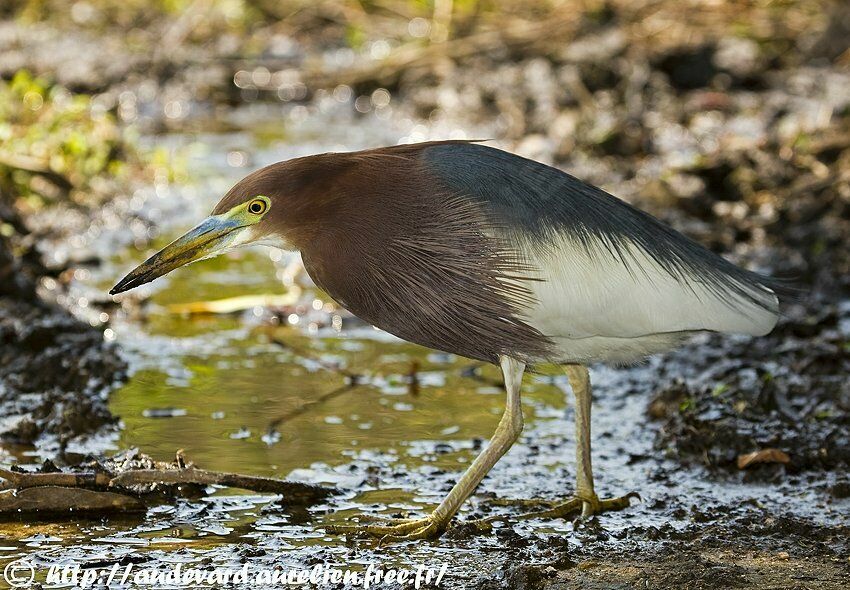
(474, 251)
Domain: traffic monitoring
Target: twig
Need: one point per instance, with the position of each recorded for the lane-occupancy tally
(35, 166)
(472, 372)
(414, 55)
(313, 403)
(294, 492)
(230, 305)
(333, 368)
(413, 378)
(352, 381)
(178, 29)
(441, 20)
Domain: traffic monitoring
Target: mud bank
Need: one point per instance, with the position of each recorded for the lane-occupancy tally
(55, 370)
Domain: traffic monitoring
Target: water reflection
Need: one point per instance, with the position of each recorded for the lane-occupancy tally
(231, 392)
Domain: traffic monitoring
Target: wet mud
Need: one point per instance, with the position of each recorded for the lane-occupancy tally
(56, 371)
(787, 391)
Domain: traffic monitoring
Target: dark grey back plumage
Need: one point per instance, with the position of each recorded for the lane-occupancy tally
(535, 202)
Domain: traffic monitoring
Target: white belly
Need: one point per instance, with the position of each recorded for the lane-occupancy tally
(618, 351)
(600, 308)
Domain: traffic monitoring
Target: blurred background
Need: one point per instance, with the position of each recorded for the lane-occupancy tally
(716, 109)
(123, 121)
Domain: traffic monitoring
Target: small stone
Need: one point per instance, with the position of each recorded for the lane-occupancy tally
(840, 490)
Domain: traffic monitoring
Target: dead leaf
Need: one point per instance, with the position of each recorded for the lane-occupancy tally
(763, 456)
(235, 304)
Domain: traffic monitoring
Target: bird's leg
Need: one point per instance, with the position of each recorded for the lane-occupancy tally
(435, 524)
(585, 502)
(580, 384)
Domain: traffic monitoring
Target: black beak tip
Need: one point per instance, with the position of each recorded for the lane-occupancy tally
(119, 287)
(128, 282)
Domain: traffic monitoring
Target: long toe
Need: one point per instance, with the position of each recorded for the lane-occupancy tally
(615, 504)
(572, 507)
(401, 529)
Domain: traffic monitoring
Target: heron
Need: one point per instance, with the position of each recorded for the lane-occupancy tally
(474, 251)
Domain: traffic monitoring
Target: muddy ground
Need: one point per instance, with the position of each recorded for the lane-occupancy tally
(56, 371)
(736, 135)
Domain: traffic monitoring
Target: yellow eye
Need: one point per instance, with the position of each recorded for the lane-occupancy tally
(257, 207)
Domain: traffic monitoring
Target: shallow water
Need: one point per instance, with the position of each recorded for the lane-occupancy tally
(214, 386)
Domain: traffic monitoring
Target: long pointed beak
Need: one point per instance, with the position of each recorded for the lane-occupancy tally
(207, 239)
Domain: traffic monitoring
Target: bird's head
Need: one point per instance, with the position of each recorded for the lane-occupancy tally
(263, 208)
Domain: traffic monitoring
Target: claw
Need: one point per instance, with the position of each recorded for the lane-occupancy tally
(631, 495)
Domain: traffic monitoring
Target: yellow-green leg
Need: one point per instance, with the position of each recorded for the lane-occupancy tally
(585, 502)
(433, 525)
(579, 378)
(580, 384)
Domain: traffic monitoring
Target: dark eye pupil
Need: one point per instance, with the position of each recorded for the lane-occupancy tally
(256, 208)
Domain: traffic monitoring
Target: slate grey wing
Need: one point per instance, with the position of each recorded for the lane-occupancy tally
(611, 282)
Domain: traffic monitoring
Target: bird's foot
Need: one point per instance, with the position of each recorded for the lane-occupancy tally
(591, 504)
(389, 530)
(582, 506)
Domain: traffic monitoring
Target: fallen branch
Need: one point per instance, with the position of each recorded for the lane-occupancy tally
(100, 491)
(293, 492)
(20, 480)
